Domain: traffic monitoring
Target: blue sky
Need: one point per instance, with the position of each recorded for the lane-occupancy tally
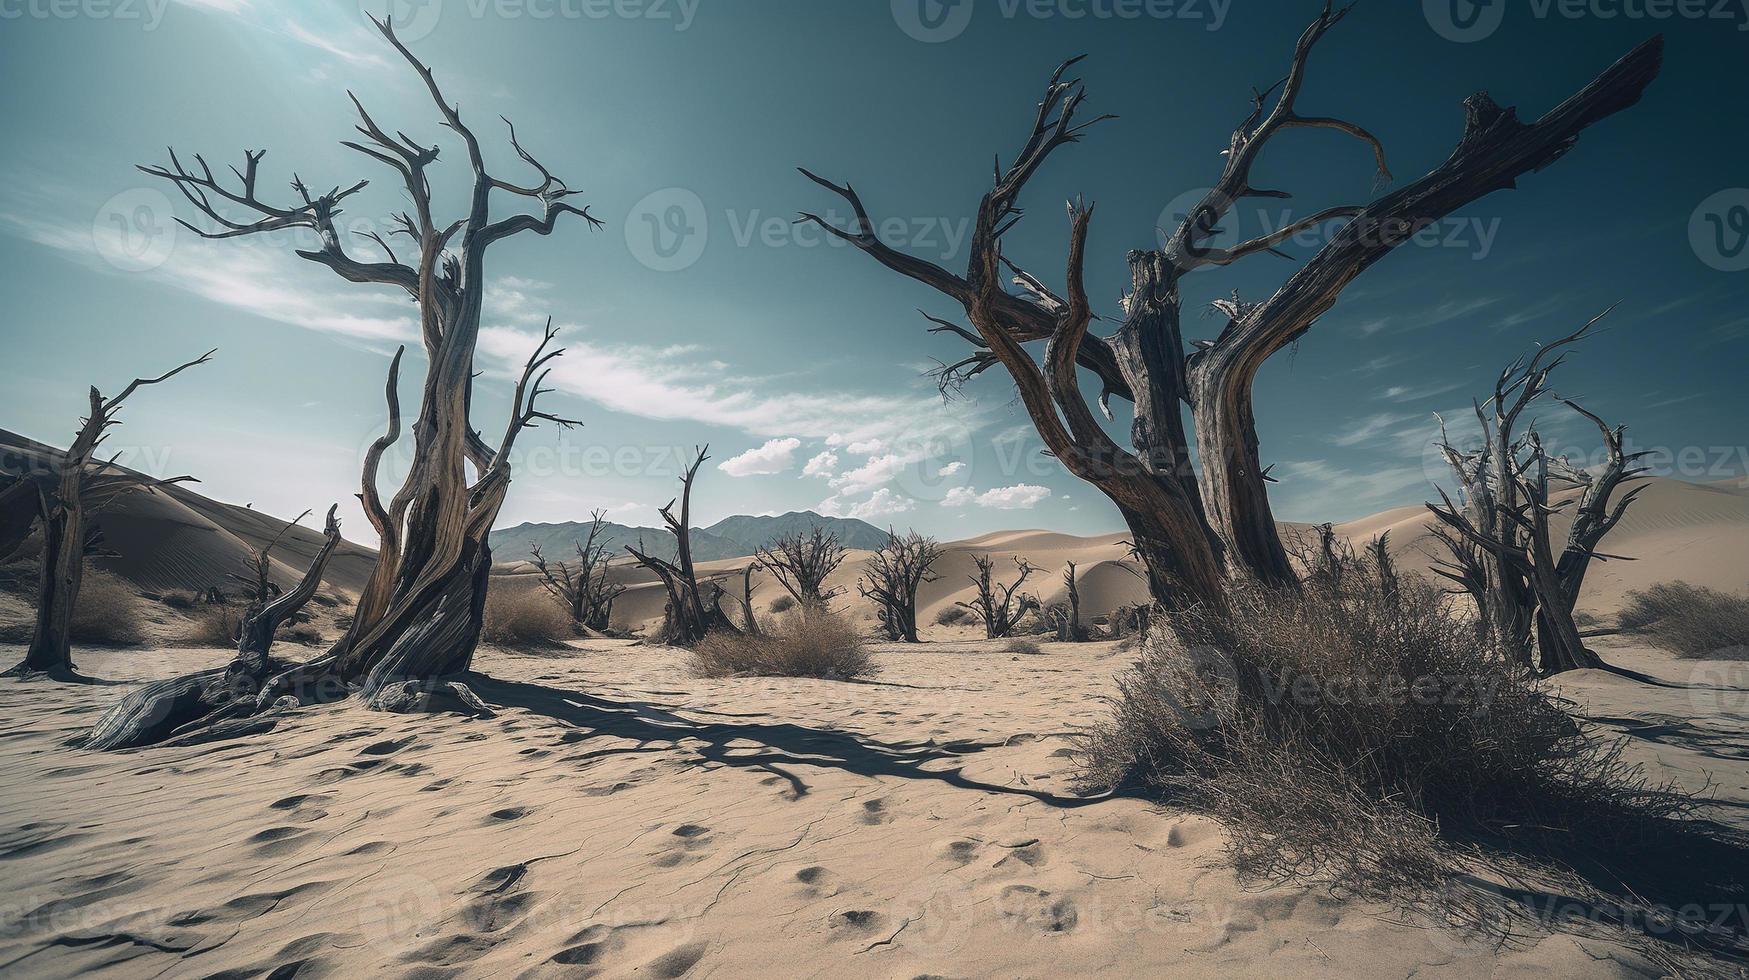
(701, 314)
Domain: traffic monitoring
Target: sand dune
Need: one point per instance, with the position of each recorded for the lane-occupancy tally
(620, 818)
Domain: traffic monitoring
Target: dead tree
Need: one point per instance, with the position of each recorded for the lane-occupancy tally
(257, 570)
(694, 609)
(1000, 607)
(419, 615)
(892, 577)
(165, 709)
(584, 588)
(1191, 530)
(1068, 615)
(800, 562)
(1383, 565)
(1498, 528)
(747, 599)
(76, 486)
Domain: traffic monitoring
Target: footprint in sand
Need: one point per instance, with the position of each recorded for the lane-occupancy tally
(960, 852)
(857, 920)
(688, 838)
(676, 962)
(874, 812)
(508, 813)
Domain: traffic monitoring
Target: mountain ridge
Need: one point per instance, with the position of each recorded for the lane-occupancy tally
(735, 536)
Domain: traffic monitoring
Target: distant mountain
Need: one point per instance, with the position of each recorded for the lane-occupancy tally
(731, 537)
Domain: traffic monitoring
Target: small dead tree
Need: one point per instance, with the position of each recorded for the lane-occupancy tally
(694, 609)
(1068, 615)
(418, 618)
(1192, 529)
(892, 577)
(584, 588)
(1498, 529)
(76, 486)
(1383, 565)
(800, 562)
(258, 568)
(1000, 607)
(181, 705)
(747, 599)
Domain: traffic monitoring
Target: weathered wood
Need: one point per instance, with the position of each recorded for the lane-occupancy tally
(174, 707)
(1000, 607)
(892, 577)
(1191, 530)
(694, 609)
(418, 619)
(1498, 530)
(800, 563)
(584, 588)
(84, 485)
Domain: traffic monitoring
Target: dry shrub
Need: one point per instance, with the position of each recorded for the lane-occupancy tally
(107, 611)
(1690, 621)
(182, 601)
(526, 619)
(1372, 740)
(1027, 647)
(301, 635)
(216, 627)
(821, 644)
(954, 616)
(783, 604)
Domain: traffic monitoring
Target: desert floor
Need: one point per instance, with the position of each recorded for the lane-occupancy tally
(620, 818)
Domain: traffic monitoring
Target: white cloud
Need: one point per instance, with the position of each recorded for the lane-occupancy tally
(1021, 496)
(866, 447)
(949, 469)
(869, 475)
(825, 464)
(1367, 428)
(776, 456)
(882, 503)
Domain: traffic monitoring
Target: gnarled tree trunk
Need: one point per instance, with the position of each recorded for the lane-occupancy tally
(84, 485)
(1192, 531)
(418, 620)
(163, 709)
(694, 610)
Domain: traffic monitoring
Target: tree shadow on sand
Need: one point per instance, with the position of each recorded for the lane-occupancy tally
(775, 747)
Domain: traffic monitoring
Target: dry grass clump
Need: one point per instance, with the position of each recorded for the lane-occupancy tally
(527, 619)
(1690, 621)
(783, 603)
(107, 611)
(1369, 737)
(820, 644)
(1028, 647)
(954, 616)
(213, 626)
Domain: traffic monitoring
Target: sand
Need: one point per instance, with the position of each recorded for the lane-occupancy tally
(620, 818)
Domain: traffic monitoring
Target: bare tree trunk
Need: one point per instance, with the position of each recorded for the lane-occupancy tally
(1189, 531)
(165, 709)
(1000, 607)
(895, 572)
(1505, 519)
(85, 483)
(690, 615)
(419, 617)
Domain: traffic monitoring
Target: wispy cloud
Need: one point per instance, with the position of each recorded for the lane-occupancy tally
(1021, 496)
(776, 456)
